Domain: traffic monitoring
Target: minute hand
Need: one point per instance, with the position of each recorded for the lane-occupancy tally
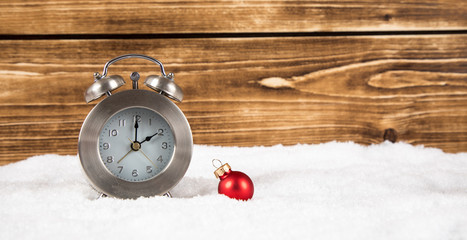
(136, 130)
(148, 138)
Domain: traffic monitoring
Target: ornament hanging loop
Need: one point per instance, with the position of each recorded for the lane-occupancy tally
(221, 170)
(214, 161)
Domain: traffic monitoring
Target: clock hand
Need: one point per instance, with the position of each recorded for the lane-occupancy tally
(136, 130)
(141, 151)
(148, 138)
(124, 156)
(132, 149)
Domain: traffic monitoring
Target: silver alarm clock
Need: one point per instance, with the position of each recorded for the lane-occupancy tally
(136, 142)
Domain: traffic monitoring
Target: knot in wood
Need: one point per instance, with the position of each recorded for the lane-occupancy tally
(387, 17)
(390, 135)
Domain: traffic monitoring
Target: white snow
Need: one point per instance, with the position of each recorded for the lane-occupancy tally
(325, 191)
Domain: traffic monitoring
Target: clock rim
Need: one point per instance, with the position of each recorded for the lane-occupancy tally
(91, 162)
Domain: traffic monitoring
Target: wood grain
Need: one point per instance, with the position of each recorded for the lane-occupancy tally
(248, 91)
(20, 17)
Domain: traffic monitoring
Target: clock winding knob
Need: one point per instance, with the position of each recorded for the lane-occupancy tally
(134, 77)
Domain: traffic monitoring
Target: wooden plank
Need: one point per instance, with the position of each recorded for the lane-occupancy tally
(249, 91)
(220, 16)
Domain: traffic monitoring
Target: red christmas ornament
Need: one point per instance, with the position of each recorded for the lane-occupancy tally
(233, 184)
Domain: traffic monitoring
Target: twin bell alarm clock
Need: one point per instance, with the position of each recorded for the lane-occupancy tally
(135, 142)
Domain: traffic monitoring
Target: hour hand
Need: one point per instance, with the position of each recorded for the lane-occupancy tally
(148, 138)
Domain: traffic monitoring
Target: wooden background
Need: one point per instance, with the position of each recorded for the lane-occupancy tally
(253, 72)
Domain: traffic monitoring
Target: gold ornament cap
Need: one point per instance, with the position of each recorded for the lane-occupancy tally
(222, 169)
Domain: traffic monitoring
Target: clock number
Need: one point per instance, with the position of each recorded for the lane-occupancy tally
(113, 133)
(164, 145)
(106, 146)
(134, 173)
(148, 169)
(121, 168)
(159, 158)
(110, 159)
(137, 118)
(150, 122)
(160, 132)
(121, 123)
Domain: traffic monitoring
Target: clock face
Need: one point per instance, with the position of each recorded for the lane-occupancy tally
(136, 144)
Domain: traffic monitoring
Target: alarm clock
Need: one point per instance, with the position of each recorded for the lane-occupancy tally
(135, 143)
